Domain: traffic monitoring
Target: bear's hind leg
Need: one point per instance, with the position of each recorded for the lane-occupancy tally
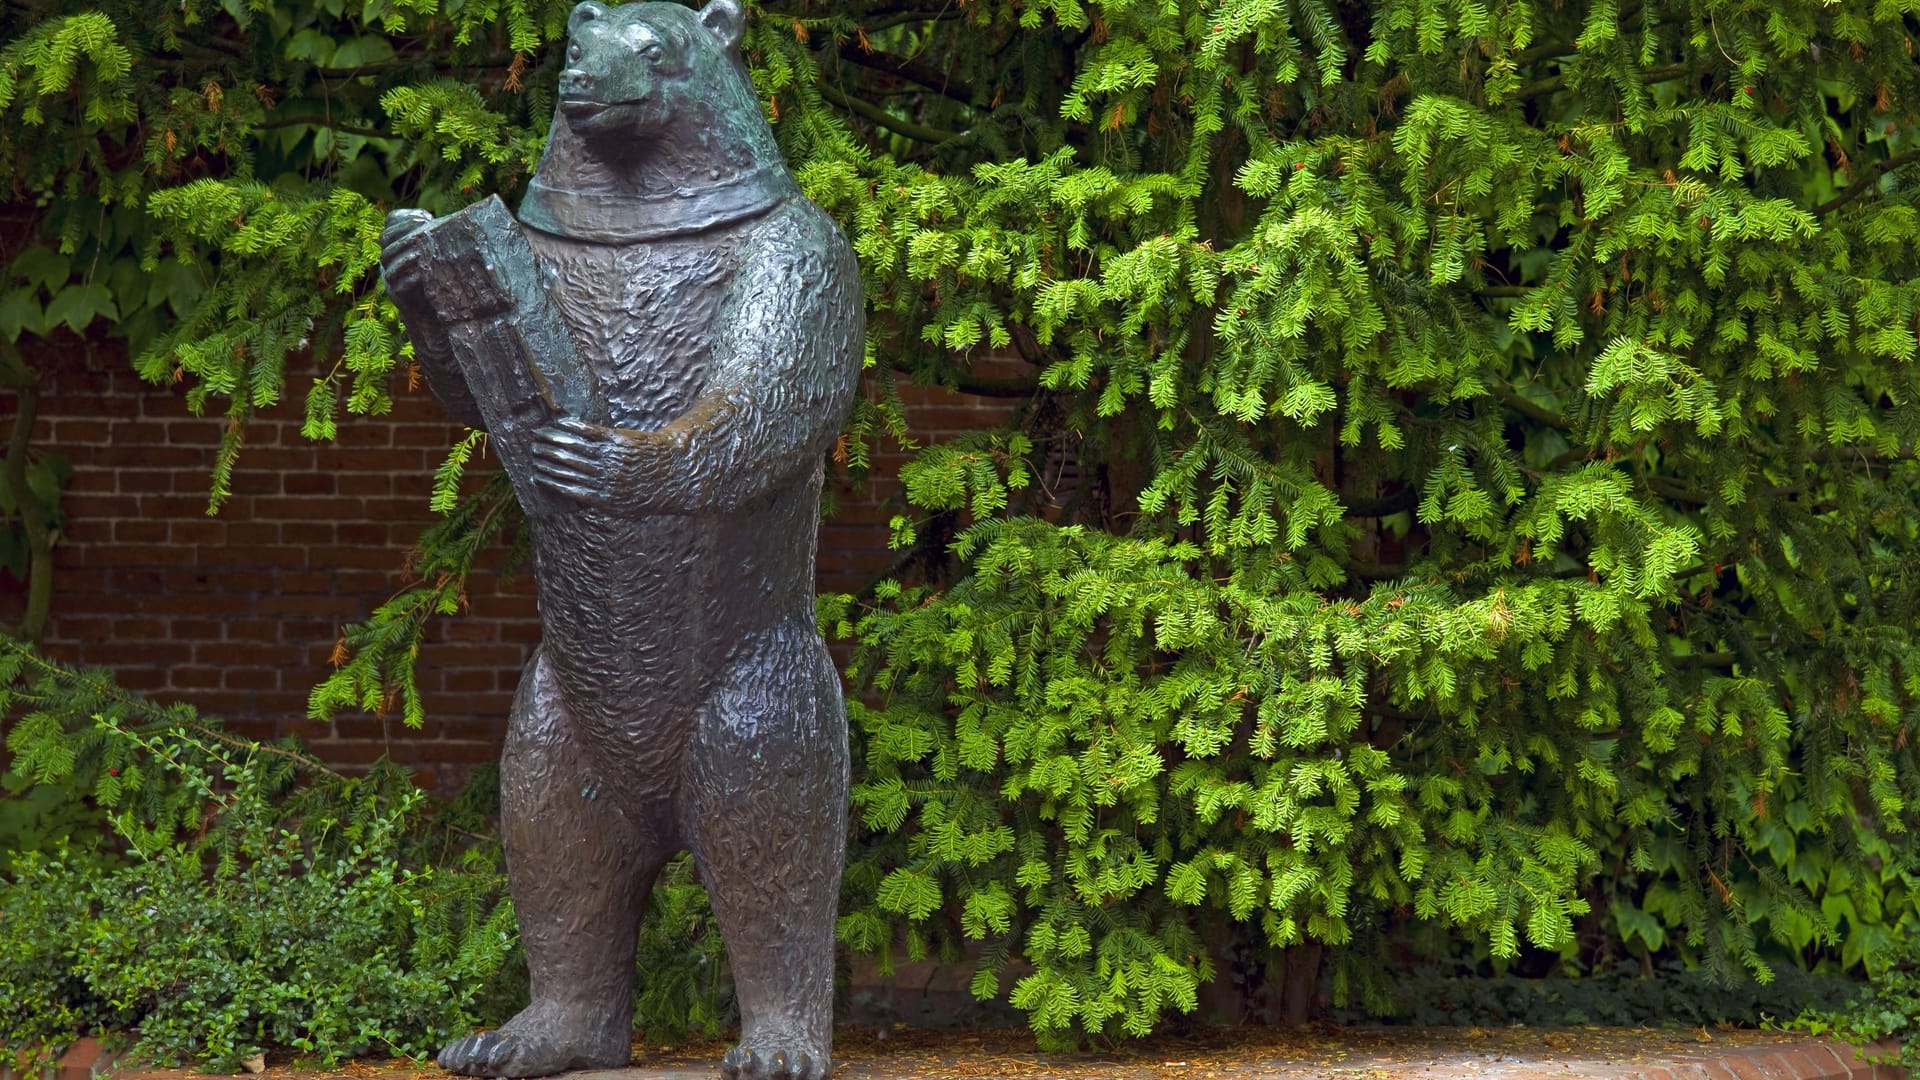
(766, 814)
(579, 867)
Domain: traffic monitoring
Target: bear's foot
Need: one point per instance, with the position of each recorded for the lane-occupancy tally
(541, 1041)
(768, 1060)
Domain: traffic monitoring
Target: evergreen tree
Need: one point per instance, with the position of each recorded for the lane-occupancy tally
(1464, 488)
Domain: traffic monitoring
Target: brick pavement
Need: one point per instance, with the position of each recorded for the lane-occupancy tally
(1326, 1054)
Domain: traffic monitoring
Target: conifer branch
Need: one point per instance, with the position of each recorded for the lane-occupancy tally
(905, 128)
(160, 718)
(898, 18)
(402, 63)
(1867, 182)
(1668, 488)
(1705, 660)
(974, 385)
(318, 120)
(913, 71)
(1556, 82)
(1532, 410)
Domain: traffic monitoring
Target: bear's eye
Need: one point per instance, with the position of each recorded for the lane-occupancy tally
(574, 53)
(651, 51)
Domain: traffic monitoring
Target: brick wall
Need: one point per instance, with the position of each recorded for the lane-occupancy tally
(238, 612)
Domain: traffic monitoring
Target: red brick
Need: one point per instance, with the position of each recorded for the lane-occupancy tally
(307, 483)
(140, 432)
(97, 507)
(136, 678)
(205, 531)
(239, 678)
(488, 731)
(88, 481)
(151, 464)
(363, 483)
(192, 677)
(429, 436)
(463, 753)
(464, 681)
(69, 433)
(248, 534)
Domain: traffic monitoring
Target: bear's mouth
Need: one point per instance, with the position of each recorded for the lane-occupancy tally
(580, 105)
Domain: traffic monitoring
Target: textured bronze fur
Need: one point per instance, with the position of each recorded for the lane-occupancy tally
(682, 696)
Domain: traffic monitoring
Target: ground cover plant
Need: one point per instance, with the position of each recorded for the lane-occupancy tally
(1458, 495)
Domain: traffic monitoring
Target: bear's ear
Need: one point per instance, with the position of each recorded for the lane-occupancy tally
(585, 12)
(725, 21)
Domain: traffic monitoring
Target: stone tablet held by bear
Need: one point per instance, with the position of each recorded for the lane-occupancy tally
(663, 347)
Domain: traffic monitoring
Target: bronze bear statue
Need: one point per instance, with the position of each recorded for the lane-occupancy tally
(662, 348)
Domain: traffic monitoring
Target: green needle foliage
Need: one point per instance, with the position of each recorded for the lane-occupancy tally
(1461, 494)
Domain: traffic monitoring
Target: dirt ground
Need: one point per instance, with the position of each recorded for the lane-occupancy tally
(1385, 1054)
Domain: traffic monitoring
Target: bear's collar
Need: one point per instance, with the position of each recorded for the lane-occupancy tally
(609, 217)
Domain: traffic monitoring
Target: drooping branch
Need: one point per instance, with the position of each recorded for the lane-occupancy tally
(980, 387)
(913, 71)
(317, 120)
(1866, 183)
(1532, 410)
(1556, 82)
(883, 118)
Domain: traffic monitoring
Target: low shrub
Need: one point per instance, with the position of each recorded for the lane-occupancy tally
(226, 897)
(251, 899)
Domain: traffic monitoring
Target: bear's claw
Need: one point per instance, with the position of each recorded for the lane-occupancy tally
(515, 1055)
(747, 1063)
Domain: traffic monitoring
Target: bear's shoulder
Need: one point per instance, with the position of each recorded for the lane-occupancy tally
(798, 244)
(796, 281)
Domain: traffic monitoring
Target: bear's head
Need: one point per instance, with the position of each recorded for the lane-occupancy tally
(657, 126)
(633, 71)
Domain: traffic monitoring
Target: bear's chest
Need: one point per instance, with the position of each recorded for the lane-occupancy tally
(642, 316)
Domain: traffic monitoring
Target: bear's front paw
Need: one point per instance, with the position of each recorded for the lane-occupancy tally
(765, 1062)
(593, 465)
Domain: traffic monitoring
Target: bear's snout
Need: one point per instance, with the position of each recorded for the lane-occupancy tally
(575, 83)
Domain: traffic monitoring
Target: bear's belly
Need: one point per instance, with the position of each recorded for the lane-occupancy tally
(642, 615)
